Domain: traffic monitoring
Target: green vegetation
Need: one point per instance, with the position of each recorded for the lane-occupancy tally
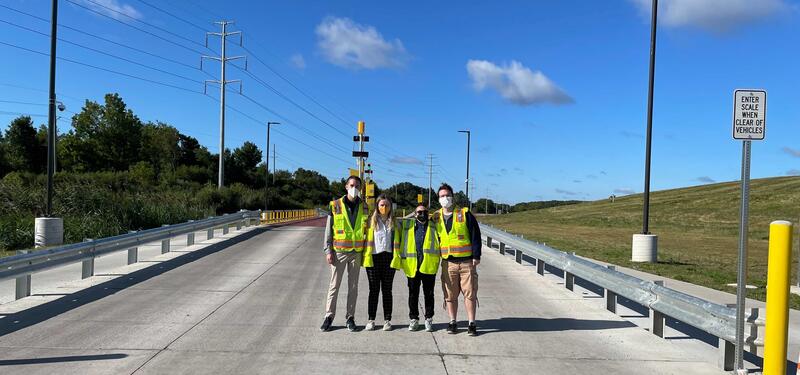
(117, 173)
(697, 228)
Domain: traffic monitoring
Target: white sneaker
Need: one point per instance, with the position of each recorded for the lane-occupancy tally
(370, 326)
(414, 325)
(387, 326)
(429, 325)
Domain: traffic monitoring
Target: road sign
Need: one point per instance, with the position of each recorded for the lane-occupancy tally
(353, 172)
(370, 190)
(749, 114)
(419, 198)
(360, 154)
(749, 124)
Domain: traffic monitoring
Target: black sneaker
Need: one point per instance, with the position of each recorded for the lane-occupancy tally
(326, 324)
(452, 327)
(351, 324)
(472, 330)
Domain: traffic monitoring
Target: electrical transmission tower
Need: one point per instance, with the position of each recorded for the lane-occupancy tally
(430, 177)
(223, 59)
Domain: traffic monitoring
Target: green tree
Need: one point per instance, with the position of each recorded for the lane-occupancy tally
(24, 151)
(160, 147)
(244, 161)
(104, 137)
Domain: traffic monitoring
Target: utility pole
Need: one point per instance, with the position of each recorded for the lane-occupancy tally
(430, 178)
(467, 180)
(223, 59)
(361, 155)
(266, 179)
(274, 163)
(51, 118)
(649, 140)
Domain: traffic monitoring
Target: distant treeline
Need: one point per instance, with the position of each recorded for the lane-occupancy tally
(118, 173)
(526, 206)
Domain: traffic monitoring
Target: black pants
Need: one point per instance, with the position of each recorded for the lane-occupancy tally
(427, 282)
(380, 277)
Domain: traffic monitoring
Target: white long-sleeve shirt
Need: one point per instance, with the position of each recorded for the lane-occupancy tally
(383, 238)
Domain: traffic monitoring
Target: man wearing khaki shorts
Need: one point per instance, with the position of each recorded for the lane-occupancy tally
(460, 242)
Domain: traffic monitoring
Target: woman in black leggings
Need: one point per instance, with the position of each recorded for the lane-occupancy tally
(381, 241)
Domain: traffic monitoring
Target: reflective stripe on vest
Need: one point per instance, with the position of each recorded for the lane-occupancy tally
(347, 238)
(455, 243)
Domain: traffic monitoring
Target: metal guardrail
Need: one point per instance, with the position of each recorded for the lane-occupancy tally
(713, 318)
(21, 266)
(283, 216)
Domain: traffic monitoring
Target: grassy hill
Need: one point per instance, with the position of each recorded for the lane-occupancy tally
(697, 228)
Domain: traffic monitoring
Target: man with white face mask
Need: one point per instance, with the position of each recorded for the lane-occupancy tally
(345, 241)
(460, 243)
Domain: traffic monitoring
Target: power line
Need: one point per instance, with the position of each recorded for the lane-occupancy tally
(104, 53)
(173, 15)
(107, 40)
(137, 28)
(103, 69)
(143, 22)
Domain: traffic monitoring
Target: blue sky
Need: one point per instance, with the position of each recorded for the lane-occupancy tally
(554, 92)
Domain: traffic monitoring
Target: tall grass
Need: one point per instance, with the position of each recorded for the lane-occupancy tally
(96, 205)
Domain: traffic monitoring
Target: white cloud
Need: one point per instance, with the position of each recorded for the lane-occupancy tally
(405, 160)
(793, 172)
(298, 61)
(565, 192)
(114, 9)
(351, 45)
(713, 15)
(792, 151)
(516, 83)
(706, 180)
(624, 191)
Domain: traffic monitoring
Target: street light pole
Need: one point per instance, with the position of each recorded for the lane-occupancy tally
(51, 126)
(467, 181)
(266, 179)
(646, 214)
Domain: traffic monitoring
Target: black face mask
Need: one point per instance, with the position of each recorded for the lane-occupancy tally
(422, 216)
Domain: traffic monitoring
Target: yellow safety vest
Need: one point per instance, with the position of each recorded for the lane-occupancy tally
(367, 261)
(347, 238)
(457, 242)
(408, 253)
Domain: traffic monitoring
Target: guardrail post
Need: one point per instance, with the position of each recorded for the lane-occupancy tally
(727, 351)
(87, 266)
(540, 266)
(569, 280)
(190, 237)
(489, 242)
(225, 229)
(518, 255)
(133, 253)
(611, 297)
(23, 283)
(165, 243)
(656, 318)
(502, 248)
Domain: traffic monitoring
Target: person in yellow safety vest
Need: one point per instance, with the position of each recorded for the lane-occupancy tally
(383, 238)
(460, 242)
(419, 256)
(345, 241)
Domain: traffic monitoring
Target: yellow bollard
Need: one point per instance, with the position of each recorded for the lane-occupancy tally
(778, 273)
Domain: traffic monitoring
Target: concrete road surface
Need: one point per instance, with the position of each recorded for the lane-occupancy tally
(254, 303)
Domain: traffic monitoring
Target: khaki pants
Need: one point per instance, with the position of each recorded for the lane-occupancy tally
(457, 278)
(352, 263)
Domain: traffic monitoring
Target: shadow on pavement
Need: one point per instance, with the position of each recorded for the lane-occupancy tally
(547, 325)
(26, 318)
(75, 358)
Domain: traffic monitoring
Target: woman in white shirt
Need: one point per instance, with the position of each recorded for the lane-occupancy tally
(381, 241)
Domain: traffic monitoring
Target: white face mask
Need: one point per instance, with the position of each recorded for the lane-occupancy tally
(446, 202)
(353, 192)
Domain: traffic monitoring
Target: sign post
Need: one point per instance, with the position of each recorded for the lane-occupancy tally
(749, 124)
